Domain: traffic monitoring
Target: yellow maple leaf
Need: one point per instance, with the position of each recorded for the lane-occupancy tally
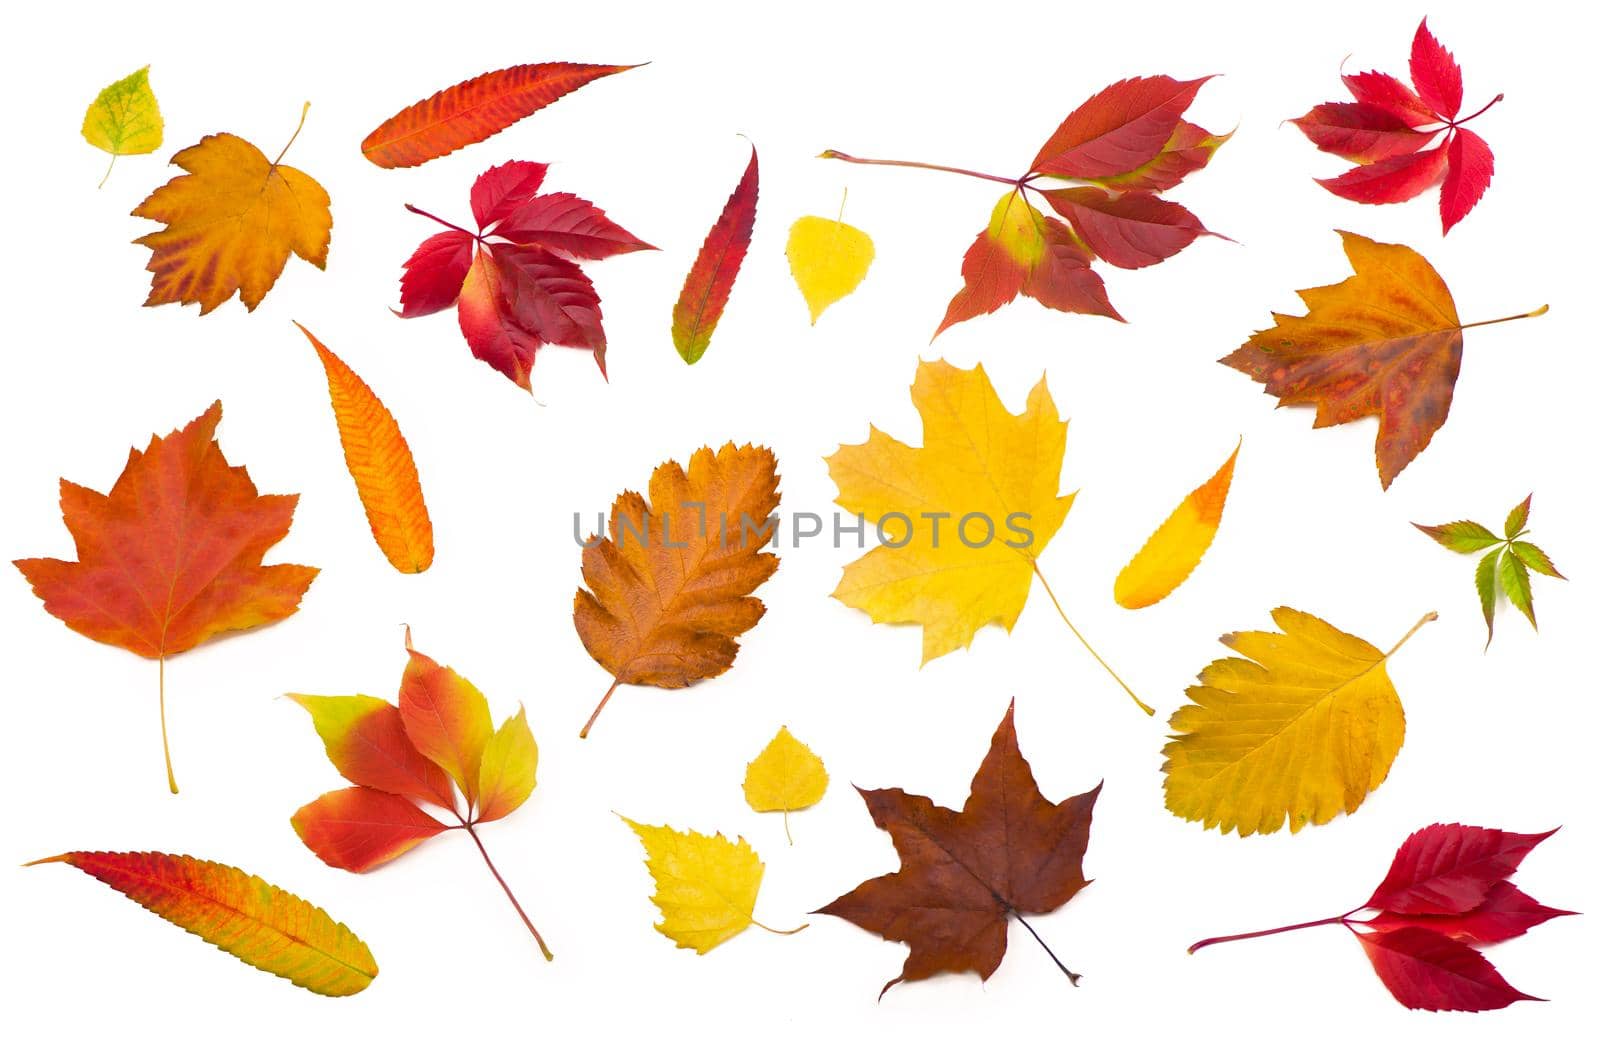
(829, 258)
(1301, 729)
(961, 520)
(124, 119)
(231, 224)
(785, 776)
(1176, 547)
(706, 886)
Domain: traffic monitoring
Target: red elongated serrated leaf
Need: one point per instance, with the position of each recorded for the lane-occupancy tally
(1435, 73)
(473, 110)
(1389, 93)
(446, 717)
(361, 828)
(1427, 971)
(1392, 180)
(366, 741)
(516, 299)
(1190, 148)
(1360, 132)
(710, 281)
(1505, 913)
(1121, 128)
(566, 223)
(432, 278)
(1129, 230)
(1451, 868)
(503, 189)
(1471, 168)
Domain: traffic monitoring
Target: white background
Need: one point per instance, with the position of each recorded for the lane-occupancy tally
(1502, 739)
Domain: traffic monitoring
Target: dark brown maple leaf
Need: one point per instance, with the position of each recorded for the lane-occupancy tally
(964, 874)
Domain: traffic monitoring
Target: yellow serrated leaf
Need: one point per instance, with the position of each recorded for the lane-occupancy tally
(1301, 730)
(1175, 548)
(124, 118)
(785, 776)
(828, 258)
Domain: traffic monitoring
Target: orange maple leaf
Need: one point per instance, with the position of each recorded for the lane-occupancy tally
(172, 554)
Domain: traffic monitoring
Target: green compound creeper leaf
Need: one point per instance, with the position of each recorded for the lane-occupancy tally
(1503, 570)
(124, 119)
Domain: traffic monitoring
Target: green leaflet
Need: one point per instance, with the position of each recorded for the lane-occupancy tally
(1503, 570)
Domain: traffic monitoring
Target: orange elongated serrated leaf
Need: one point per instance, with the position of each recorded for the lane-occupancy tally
(667, 592)
(473, 110)
(1385, 342)
(172, 554)
(243, 915)
(710, 281)
(380, 464)
(231, 224)
(1176, 547)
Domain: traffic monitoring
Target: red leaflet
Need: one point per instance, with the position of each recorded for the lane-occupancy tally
(710, 281)
(1124, 126)
(516, 283)
(1445, 892)
(1129, 230)
(1385, 129)
(359, 829)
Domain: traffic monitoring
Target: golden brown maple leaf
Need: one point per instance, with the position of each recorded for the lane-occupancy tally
(172, 554)
(231, 224)
(669, 588)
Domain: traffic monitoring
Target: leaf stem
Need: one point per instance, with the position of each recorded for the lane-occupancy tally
(774, 930)
(1536, 312)
(1064, 619)
(835, 155)
(787, 834)
(1072, 976)
(303, 111)
(1486, 107)
(107, 175)
(161, 693)
(1202, 943)
(548, 955)
(1426, 618)
(598, 708)
(429, 215)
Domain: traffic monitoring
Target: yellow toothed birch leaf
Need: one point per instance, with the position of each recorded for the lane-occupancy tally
(124, 119)
(828, 258)
(1176, 547)
(706, 886)
(785, 776)
(243, 915)
(1299, 730)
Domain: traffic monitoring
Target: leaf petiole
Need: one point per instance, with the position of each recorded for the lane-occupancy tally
(835, 155)
(1344, 919)
(429, 215)
(1072, 976)
(774, 930)
(548, 955)
(1065, 620)
(161, 694)
(1536, 312)
(598, 709)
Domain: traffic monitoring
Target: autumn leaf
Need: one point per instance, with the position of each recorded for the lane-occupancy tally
(1299, 730)
(380, 464)
(706, 886)
(124, 119)
(963, 519)
(231, 223)
(1504, 569)
(243, 915)
(710, 281)
(828, 259)
(516, 283)
(667, 591)
(439, 738)
(1392, 132)
(964, 874)
(1385, 342)
(1119, 149)
(785, 776)
(171, 556)
(1446, 893)
(1176, 547)
(473, 110)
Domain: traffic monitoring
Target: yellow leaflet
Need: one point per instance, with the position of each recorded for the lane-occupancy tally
(785, 776)
(828, 259)
(124, 118)
(1174, 550)
(506, 772)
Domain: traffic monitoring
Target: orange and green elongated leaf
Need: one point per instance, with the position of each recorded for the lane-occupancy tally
(446, 717)
(1176, 547)
(243, 915)
(473, 110)
(359, 829)
(710, 281)
(380, 463)
(366, 742)
(506, 774)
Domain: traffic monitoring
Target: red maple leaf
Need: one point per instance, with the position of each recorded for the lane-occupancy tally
(1392, 132)
(516, 283)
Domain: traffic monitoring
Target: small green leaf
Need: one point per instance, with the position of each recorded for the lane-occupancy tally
(1535, 559)
(1461, 537)
(124, 118)
(1513, 577)
(1486, 591)
(1517, 520)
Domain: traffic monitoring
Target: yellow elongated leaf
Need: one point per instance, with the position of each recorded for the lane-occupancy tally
(785, 776)
(1175, 548)
(243, 915)
(380, 463)
(124, 118)
(829, 258)
(1300, 730)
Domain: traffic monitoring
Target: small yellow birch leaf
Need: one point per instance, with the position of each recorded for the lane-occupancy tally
(124, 118)
(705, 885)
(785, 776)
(828, 259)
(1175, 548)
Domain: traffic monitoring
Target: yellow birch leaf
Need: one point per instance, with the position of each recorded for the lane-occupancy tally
(785, 776)
(1301, 729)
(124, 119)
(828, 258)
(1175, 548)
